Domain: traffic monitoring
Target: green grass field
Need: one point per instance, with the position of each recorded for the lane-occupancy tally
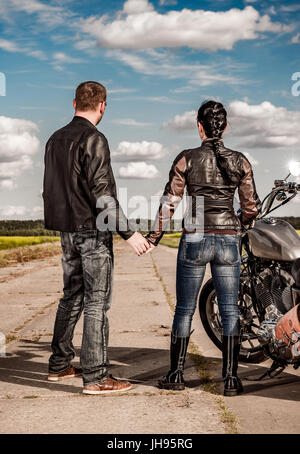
(10, 242)
(172, 240)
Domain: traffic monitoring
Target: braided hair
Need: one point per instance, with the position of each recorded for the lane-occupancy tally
(213, 117)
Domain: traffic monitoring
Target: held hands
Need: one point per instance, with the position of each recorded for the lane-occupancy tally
(139, 244)
(150, 248)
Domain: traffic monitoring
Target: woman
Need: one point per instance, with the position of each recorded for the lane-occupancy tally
(211, 173)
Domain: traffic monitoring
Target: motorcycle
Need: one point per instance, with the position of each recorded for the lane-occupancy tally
(269, 292)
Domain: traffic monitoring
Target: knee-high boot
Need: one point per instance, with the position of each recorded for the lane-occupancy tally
(174, 378)
(231, 350)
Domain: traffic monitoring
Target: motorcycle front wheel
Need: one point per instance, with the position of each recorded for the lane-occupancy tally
(250, 351)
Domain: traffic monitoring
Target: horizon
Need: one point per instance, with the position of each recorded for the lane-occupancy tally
(244, 53)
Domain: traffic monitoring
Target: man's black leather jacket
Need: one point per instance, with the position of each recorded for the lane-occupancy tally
(77, 174)
(196, 170)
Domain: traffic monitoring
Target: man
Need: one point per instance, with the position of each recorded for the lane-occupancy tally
(78, 180)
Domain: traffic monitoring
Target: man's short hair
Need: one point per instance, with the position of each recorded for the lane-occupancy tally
(89, 95)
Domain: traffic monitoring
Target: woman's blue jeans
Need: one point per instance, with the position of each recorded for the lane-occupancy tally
(195, 251)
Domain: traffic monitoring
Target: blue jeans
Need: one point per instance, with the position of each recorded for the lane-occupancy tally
(195, 251)
(88, 267)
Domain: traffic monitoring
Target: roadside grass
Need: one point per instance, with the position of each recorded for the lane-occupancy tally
(23, 254)
(10, 242)
(171, 239)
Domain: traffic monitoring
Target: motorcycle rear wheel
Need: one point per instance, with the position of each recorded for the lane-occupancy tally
(251, 351)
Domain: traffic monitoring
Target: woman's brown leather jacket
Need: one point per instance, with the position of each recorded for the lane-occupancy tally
(196, 169)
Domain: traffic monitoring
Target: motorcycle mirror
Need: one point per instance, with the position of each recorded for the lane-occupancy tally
(294, 168)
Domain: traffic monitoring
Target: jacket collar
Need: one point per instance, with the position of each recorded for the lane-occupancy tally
(209, 143)
(83, 121)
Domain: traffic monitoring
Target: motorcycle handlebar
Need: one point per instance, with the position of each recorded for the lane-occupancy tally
(281, 185)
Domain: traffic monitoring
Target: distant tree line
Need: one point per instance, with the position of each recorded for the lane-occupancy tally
(25, 228)
(37, 228)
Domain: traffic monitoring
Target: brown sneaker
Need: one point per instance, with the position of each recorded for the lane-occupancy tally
(109, 385)
(71, 372)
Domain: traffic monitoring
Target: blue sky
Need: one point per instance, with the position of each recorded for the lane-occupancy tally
(159, 60)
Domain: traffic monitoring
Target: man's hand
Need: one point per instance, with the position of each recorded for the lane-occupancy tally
(138, 243)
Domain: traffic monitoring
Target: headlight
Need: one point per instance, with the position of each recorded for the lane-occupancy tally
(294, 168)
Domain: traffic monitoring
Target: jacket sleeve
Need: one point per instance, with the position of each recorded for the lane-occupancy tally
(249, 200)
(170, 199)
(96, 165)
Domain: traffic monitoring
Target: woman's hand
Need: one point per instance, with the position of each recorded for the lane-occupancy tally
(150, 248)
(138, 243)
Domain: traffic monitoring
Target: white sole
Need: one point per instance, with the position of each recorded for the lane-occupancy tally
(63, 378)
(85, 391)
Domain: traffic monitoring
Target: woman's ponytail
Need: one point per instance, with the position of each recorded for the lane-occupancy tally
(213, 118)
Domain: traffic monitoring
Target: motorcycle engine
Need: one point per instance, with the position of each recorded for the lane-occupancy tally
(274, 287)
(273, 290)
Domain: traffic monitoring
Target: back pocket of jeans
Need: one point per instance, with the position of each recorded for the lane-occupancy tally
(231, 251)
(193, 251)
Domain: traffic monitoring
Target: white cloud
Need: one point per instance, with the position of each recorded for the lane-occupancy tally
(295, 39)
(290, 8)
(21, 212)
(11, 46)
(259, 126)
(115, 91)
(137, 7)
(144, 28)
(130, 122)
(272, 10)
(85, 44)
(170, 67)
(37, 211)
(32, 6)
(11, 211)
(37, 54)
(167, 2)
(16, 125)
(188, 120)
(264, 125)
(138, 170)
(7, 184)
(18, 143)
(135, 151)
(60, 58)
(47, 14)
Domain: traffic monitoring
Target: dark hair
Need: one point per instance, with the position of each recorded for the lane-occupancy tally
(213, 117)
(89, 95)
